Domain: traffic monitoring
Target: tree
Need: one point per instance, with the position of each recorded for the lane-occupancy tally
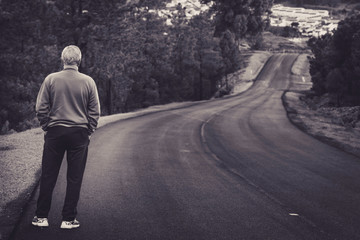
(290, 32)
(183, 55)
(207, 56)
(241, 17)
(22, 44)
(230, 54)
(335, 84)
(295, 24)
(335, 65)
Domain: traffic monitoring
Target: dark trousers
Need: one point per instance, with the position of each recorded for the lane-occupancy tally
(58, 140)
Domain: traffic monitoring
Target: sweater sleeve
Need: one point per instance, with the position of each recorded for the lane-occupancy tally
(93, 108)
(43, 104)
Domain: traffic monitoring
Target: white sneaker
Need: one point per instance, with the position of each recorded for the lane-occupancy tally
(40, 222)
(70, 224)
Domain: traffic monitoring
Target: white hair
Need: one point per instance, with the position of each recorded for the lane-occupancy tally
(71, 55)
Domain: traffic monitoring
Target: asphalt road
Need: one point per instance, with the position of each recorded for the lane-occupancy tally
(233, 168)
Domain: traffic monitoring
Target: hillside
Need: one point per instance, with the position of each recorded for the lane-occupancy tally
(273, 42)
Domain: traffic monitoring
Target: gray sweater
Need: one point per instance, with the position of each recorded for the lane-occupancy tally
(68, 98)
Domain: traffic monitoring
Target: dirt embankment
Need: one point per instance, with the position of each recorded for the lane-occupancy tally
(339, 127)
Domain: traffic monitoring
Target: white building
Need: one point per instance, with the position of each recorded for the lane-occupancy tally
(311, 22)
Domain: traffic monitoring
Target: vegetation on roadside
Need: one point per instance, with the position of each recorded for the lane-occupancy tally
(335, 64)
(337, 126)
(287, 31)
(135, 58)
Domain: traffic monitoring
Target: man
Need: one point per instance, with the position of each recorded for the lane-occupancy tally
(68, 109)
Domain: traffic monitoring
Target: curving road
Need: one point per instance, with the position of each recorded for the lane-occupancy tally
(233, 168)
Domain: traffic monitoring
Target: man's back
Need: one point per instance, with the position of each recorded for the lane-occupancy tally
(72, 97)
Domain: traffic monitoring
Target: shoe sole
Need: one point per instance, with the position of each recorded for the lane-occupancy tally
(69, 227)
(38, 225)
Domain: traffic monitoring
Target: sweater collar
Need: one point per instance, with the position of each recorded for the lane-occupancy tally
(71, 67)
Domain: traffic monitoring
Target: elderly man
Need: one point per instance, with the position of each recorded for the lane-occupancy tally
(68, 109)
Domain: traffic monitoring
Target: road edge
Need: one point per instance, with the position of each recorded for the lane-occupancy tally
(291, 114)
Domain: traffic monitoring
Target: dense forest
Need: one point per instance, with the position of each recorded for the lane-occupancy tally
(135, 58)
(335, 64)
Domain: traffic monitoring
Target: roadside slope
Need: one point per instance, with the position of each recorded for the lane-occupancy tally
(338, 127)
